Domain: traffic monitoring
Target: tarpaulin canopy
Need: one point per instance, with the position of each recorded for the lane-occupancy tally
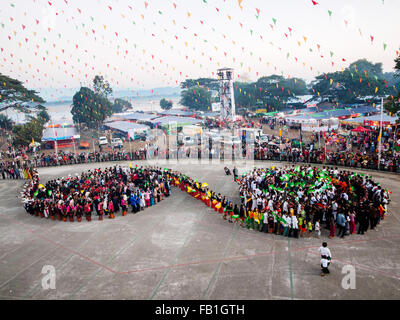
(58, 134)
(360, 129)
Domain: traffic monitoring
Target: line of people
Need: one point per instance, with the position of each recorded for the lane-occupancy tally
(298, 201)
(294, 201)
(101, 192)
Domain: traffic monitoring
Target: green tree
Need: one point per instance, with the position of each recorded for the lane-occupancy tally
(24, 133)
(206, 83)
(243, 95)
(5, 122)
(121, 105)
(271, 93)
(102, 86)
(397, 66)
(196, 98)
(14, 95)
(90, 108)
(43, 116)
(363, 66)
(393, 104)
(165, 104)
(346, 86)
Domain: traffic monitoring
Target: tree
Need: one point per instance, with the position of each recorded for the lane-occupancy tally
(271, 93)
(14, 95)
(206, 83)
(363, 66)
(196, 98)
(90, 108)
(346, 86)
(102, 86)
(5, 122)
(397, 66)
(24, 133)
(165, 104)
(121, 106)
(43, 116)
(243, 93)
(393, 104)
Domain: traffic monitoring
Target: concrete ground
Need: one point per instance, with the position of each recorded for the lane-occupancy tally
(180, 249)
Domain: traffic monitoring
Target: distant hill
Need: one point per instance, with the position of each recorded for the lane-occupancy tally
(161, 92)
(56, 97)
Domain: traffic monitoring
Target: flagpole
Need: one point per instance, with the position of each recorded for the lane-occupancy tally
(380, 137)
(325, 149)
(55, 141)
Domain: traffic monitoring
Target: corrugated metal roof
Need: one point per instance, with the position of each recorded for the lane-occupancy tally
(125, 126)
(178, 120)
(138, 116)
(210, 114)
(173, 112)
(385, 118)
(333, 113)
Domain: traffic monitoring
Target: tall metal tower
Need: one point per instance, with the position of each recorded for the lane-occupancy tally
(227, 95)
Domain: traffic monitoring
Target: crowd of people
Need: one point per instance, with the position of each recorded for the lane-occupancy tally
(357, 151)
(300, 201)
(15, 170)
(68, 158)
(101, 192)
(294, 201)
(355, 159)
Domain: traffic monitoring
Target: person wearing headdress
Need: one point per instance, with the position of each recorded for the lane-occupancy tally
(100, 208)
(242, 215)
(88, 210)
(223, 205)
(79, 210)
(236, 214)
(213, 200)
(46, 210)
(147, 198)
(111, 210)
(257, 225)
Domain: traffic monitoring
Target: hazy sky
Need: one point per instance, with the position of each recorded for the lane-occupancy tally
(139, 44)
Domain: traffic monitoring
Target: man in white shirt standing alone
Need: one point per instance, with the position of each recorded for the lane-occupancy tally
(325, 258)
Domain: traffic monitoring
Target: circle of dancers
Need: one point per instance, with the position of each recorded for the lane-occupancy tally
(291, 201)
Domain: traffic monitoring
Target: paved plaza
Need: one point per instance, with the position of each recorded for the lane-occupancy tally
(180, 249)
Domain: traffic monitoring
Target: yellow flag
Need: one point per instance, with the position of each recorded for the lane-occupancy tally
(280, 132)
(380, 136)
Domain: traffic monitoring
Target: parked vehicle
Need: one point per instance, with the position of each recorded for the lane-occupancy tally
(117, 143)
(84, 145)
(188, 141)
(103, 141)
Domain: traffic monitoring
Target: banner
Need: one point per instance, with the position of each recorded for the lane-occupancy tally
(316, 128)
